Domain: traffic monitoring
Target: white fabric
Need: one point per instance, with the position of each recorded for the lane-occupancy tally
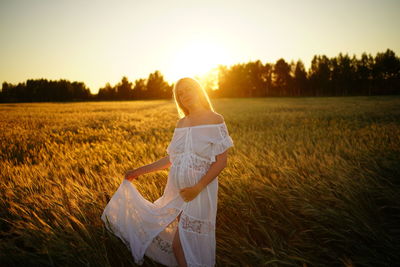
(149, 228)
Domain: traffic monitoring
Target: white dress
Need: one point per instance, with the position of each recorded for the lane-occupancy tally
(149, 228)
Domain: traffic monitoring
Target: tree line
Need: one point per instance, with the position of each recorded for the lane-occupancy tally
(43, 90)
(337, 76)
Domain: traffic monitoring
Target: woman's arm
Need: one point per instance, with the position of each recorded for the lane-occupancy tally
(214, 170)
(189, 193)
(156, 165)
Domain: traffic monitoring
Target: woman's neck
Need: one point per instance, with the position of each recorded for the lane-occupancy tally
(195, 111)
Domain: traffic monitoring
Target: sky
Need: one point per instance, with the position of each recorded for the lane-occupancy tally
(96, 42)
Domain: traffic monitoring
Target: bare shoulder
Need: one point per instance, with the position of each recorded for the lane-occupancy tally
(210, 117)
(216, 118)
(179, 123)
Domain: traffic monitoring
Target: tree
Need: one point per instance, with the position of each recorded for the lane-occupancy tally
(364, 74)
(387, 72)
(157, 87)
(282, 78)
(124, 89)
(319, 74)
(139, 88)
(256, 79)
(107, 92)
(300, 79)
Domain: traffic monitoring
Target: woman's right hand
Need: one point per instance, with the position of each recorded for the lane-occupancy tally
(132, 174)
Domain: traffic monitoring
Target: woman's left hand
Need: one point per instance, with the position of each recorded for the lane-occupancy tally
(189, 193)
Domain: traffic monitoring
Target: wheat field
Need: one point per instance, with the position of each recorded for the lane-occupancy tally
(309, 181)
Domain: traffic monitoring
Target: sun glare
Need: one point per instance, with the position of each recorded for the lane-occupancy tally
(196, 59)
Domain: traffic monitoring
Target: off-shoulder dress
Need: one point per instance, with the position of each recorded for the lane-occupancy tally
(148, 228)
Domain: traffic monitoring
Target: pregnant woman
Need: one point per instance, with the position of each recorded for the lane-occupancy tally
(179, 227)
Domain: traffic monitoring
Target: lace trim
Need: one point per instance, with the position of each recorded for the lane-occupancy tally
(190, 224)
(221, 146)
(192, 154)
(195, 162)
(218, 147)
(163, 245)
(199, 165)
(223, 131)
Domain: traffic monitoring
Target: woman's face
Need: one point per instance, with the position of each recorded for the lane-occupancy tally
(187, 95)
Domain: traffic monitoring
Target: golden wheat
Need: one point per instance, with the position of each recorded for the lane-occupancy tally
(310, 181)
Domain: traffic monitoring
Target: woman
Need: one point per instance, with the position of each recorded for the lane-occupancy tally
(179, 227)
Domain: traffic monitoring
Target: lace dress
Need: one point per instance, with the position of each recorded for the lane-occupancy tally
(149, 228)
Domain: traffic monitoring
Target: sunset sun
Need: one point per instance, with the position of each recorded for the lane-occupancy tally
(197, 58)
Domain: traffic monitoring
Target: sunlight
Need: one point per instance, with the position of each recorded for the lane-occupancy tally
(196, 59)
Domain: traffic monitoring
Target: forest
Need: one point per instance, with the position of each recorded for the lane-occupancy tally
(342, 75)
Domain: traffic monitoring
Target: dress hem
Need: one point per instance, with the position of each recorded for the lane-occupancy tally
(151, 239)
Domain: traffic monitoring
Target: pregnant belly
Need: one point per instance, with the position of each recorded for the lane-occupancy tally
(184, 176)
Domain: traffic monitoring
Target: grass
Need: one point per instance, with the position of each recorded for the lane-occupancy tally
(309, 182)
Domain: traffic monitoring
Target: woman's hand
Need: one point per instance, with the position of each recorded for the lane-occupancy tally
(132, 174)
(189, 193)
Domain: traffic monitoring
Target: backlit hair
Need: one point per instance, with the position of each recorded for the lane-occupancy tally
(183, 84)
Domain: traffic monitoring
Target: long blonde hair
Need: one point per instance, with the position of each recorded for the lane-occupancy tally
(188, 82)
